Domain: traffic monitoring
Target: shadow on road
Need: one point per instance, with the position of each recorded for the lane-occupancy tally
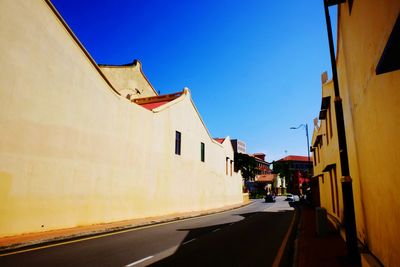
(253, 241)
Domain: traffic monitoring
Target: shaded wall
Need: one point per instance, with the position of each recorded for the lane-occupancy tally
(372, 116)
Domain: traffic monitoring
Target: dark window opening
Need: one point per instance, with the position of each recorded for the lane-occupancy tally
(177, 143)
(226, 165)
(350, 5)
(390, 59)
(203, 151)
(336, 190)
(332, 190)
(330, 122)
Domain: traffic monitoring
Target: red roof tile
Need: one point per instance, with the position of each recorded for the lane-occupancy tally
(294, 158)
(153, 102)
(151, 106)
(219, 140)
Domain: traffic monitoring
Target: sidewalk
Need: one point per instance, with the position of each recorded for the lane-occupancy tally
(312, 250)
(27, 240)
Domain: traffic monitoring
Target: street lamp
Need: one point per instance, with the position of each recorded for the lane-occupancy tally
(308, 144)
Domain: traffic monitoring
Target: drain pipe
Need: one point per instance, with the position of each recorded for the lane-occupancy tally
(346, 181)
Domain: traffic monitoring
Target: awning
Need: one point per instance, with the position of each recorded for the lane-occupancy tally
(322, 114)
(326, 101)
(317, 140)
(316, 176)
(329, 167)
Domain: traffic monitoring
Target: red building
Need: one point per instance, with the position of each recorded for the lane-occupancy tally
(300, 170)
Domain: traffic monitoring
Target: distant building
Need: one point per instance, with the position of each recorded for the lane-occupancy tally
(238, 146)
(299, 168)
(264, 176)
(262, 165)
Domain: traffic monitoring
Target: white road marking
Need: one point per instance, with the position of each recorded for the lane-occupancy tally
(139, 261)
(191, 240)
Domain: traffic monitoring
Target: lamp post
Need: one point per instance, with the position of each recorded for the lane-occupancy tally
(308, 144)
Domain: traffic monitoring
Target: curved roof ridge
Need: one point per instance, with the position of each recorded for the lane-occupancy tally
(134, 63)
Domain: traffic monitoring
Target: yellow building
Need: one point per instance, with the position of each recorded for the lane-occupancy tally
(82, 144)
(368, 64)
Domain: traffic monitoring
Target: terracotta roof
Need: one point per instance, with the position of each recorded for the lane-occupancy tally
(219, 140)
(265, 177)
(153, 102)
(260, 156)
(151, 106)
(295, 158)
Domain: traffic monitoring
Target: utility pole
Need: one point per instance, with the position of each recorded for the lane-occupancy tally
(308, 145)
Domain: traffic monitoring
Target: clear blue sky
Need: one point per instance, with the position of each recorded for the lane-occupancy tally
(253, 67)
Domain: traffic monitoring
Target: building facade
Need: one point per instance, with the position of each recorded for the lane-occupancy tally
(298, 169)
(262, 166)
(239, 146)
(368, 63)
(84, 144)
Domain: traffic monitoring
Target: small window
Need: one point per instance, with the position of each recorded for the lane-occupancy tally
(177, 143)
(332, 191)
(203, 151)
(350, 2)
(390, 59)
(330, 123)
(327, 121)
(226, 165)
(336, 189)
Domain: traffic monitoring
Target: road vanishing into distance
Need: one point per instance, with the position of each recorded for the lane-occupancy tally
(249, 236)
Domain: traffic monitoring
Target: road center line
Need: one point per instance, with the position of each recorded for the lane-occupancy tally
(191, 240)
(139, 261)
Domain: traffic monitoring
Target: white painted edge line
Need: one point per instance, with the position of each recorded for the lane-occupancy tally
(139, 261)
(279, 255)
(191, 240)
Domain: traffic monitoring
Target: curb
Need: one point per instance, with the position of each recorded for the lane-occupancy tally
(295, 260)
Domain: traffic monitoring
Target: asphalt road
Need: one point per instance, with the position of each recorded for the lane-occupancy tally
(248, 236)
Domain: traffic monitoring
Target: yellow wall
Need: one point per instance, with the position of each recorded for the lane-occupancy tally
(73, 152)
(129, 79)
(372, 119)
(330, 199)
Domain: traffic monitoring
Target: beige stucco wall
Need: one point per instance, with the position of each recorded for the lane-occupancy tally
(73, 152)
(129, 80)
(372, 120)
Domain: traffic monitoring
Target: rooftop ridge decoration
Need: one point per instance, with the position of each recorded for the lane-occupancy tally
(155, 99)
(130, 64)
